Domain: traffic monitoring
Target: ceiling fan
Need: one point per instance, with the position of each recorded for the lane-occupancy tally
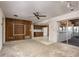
(38, 15)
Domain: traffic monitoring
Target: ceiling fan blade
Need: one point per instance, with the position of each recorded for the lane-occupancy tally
(37, 16)
(37, 13)
(42, 15)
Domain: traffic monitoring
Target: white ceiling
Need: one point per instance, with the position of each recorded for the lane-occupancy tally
(25, 9)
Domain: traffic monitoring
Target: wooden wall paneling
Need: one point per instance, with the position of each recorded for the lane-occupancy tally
(9, 30)
(19, 29)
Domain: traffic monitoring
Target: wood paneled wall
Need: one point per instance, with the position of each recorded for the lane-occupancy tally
(9, 29)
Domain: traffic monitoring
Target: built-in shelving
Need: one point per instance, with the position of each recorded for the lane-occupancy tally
(38, 30)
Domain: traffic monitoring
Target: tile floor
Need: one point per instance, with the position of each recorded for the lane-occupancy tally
(33, 48)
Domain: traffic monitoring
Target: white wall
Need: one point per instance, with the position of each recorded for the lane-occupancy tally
(0, 32)
(2, 29)
(53, 28)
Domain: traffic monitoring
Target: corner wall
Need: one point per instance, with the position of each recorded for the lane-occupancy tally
(53, 35)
